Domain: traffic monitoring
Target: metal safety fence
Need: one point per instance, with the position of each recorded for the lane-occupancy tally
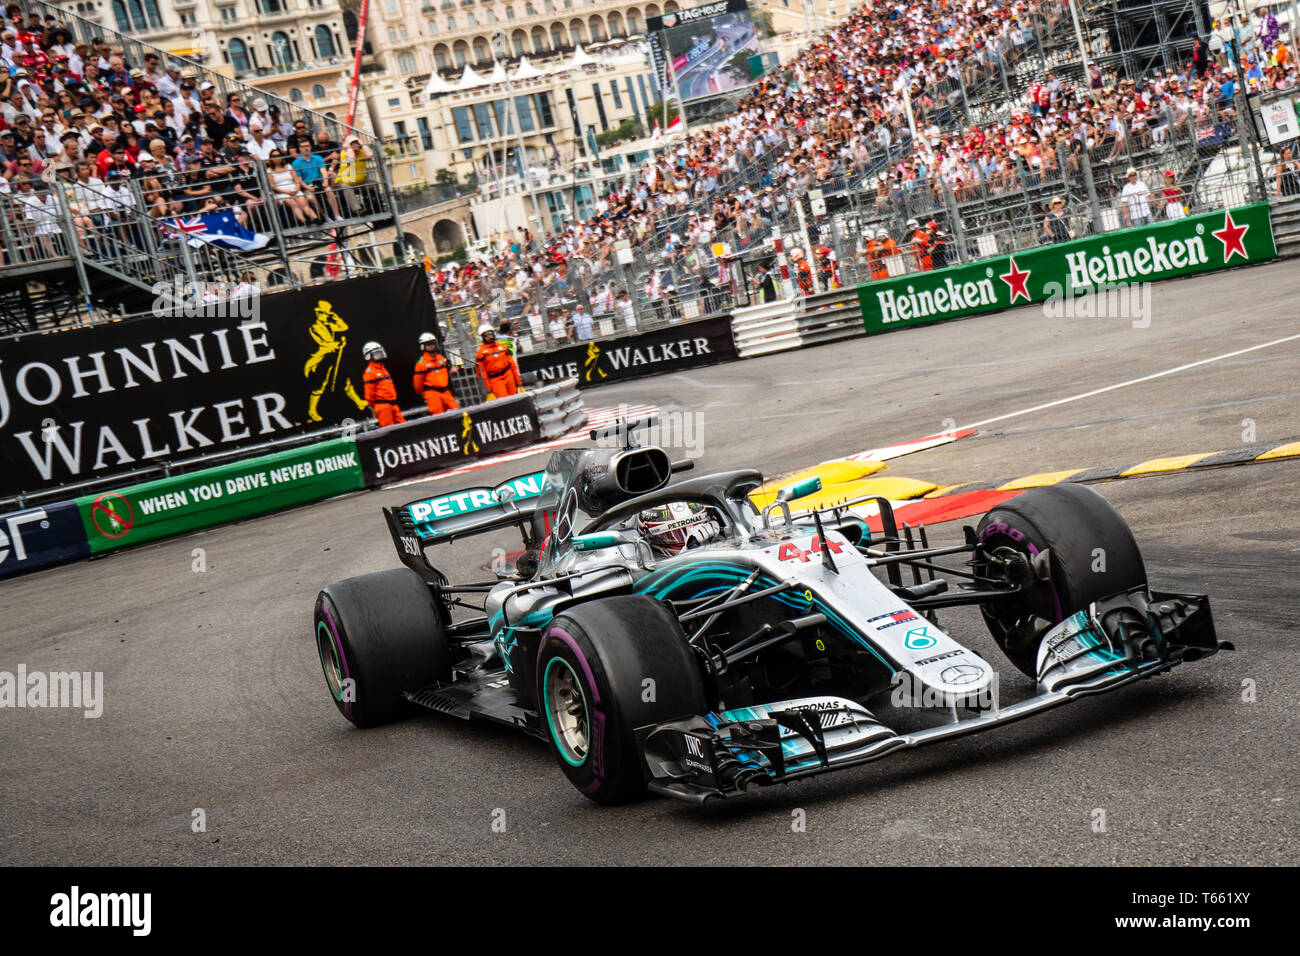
(827, 232)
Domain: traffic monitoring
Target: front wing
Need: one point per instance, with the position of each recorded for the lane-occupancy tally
(724, 754)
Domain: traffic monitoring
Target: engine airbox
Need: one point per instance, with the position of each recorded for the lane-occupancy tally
(640, 471)
(610, 479)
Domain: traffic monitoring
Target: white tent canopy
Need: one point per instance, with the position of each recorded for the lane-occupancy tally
(436, 85)
(581, 57)
(498, 72)
(526, 70)
(469, 79)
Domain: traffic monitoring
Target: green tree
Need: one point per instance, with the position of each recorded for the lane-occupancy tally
(763, 23)
(456, 255)
(661, 113)
(629, 129)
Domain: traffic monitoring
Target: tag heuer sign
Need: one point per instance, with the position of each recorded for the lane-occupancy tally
(692, 14)
(1179, 247)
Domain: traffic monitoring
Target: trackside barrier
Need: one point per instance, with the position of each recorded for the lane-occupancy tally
(34, 538)
(767, 327)
(668, 348)
(90, 405)
(793, 323)
(1196, 244)
(829, 317)
(437, 442)
(57, 533)
(1285, 215)
(1189, 246)
(559, 408)
(201, 499)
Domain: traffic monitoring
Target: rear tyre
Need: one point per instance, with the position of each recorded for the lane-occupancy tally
(1092, 556)
(379, 635)
(604, 669)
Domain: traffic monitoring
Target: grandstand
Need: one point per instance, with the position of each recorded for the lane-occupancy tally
(1010, 112)
(80, 248)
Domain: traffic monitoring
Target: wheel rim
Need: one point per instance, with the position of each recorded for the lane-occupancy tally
(330, 661)
(1017, 624)
(566, 712)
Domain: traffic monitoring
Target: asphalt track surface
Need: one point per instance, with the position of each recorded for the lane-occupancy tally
(215, 700)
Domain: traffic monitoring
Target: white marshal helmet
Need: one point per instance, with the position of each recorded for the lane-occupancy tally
(913, 224)
(676, 527)
(427, 339)
(373, 351)
(882, 233)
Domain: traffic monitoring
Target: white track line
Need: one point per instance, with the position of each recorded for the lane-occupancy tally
(1134, 381)
(889, 452)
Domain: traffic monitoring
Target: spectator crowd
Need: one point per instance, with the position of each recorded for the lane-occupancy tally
(867, 106)
(839, 116)
(117, 140)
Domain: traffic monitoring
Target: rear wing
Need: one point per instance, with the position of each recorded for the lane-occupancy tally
(519, 502)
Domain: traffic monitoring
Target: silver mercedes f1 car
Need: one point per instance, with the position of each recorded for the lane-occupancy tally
(673, 636)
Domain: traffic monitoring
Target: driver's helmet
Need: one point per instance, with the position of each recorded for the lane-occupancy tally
(677, 526)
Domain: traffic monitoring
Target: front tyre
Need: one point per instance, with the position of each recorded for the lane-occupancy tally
(1092, 555)
(603, 669)
(377, 636)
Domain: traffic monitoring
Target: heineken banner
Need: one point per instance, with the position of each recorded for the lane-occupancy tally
(1180, 247)
(444, 441)
(200, 499)
(674, 347)
(86, 403)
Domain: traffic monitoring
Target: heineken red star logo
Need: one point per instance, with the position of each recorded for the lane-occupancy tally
(1017, 280)
(1232, 236)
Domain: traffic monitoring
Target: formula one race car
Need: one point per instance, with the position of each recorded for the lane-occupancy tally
(678, 638)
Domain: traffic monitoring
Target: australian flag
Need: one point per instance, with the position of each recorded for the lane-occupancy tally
(220, 229)
(1214, 135)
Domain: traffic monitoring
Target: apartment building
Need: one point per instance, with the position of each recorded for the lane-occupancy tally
(446, 82)
(417, 37)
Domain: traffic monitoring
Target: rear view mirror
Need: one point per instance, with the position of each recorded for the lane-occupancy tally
(596, 541)
(789, 493)
(799, 489)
